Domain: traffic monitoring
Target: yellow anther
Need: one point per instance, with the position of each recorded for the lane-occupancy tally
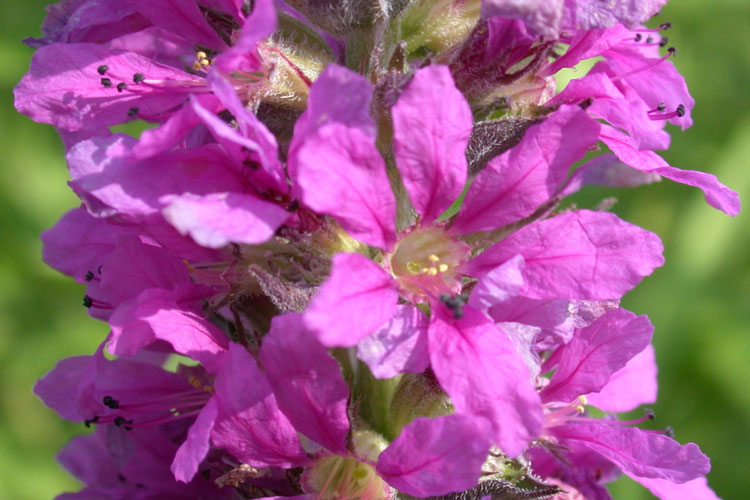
(197, 66)
(432, 271)
(443, 267)
(580, 409)
(433, 258)
(414, 268)
(208, 388)
(583, 400)
(200, 55)
(205, 62)
(192, 380)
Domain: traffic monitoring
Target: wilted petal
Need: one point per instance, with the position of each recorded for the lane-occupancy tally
(631, 386)
(436, 456)
(432, 123)
(595, 353)
(356, 299)
(513, 185)
(307, 382)
(480, 369)
(582, 255)
(399, 346)
(217, 219)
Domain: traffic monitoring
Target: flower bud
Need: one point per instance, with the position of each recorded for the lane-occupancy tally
(417, 395)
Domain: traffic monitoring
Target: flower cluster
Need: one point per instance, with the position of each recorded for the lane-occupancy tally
(339, 263)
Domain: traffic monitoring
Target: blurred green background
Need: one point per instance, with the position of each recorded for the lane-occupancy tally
(698, 301)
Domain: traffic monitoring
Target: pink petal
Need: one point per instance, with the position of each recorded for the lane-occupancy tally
(307, 382)
(217, 219)
(79, 242)
(87, 21)
(432, 123)
(607, 170)
(155, 315)
(595, 353)
(513, 185)
(59, 386)
(541, 16)
(696, 489)
(717, 194)
(249, 424)
(184, 19)
(356, 299)
(175, 128)
(163, 46)
(659, 83)
(499, 285)
(398, 346)
(253, 147)
(637, 452)
(588, 14)
(582, 255)
(63, 87)
(243, 54)
(134, 266)
(192, 452)
(480, 369)
(631, 386)
(110, 181)
(341, 173)
(337, 96)
(436, 456)
(609, 104)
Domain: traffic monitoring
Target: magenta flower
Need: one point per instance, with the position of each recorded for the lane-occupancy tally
(425, 262)
(431, 456)
(130, 465)
(86, 75)
(366, 266)
(614, 348)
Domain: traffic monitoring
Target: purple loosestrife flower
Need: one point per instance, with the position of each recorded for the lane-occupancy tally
(116, 464)
(347, 229)
(85, 77)
(615, 348)
(429, 457)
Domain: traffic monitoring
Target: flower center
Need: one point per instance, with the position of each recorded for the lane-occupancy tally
(345, 478)
(425, 262)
